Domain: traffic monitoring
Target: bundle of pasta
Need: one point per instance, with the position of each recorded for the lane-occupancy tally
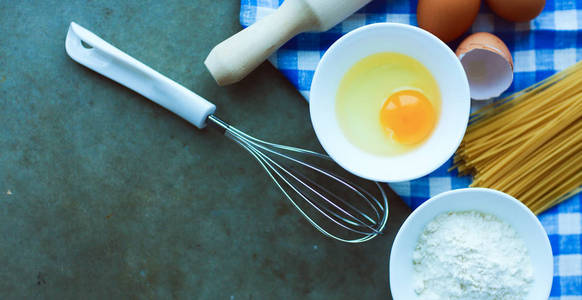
(529, 144)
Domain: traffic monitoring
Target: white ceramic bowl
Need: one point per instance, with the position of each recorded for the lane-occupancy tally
(436, 56)
(489, 201)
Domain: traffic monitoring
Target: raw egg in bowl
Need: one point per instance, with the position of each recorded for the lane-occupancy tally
(389, 102)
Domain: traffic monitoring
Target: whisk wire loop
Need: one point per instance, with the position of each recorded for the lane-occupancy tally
(356, 218)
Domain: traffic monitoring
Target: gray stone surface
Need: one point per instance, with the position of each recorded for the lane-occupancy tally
(106, 195)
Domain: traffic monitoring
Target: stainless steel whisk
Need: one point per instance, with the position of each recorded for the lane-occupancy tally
(325, 199)
(340, 205)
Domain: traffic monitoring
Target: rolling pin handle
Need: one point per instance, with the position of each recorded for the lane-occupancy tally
(234, 58)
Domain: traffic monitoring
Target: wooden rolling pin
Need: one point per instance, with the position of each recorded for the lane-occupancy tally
(234, 58)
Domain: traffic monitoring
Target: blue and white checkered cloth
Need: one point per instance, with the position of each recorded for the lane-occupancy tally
(547, 44)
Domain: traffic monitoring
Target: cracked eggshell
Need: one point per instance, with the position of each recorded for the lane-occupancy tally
(487, 63)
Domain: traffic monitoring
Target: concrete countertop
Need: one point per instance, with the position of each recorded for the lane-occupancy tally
(104, 195)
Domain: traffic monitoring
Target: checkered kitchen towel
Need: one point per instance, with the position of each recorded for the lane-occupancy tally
(549, 43)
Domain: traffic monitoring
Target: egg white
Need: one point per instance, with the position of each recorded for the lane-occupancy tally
(364, 89)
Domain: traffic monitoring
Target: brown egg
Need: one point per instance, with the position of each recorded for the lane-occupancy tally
(447, 19)
(517, 10)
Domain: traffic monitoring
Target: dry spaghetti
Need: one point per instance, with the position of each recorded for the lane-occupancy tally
(529, 144)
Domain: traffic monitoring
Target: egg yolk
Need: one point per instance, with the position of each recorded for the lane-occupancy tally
(408, 116)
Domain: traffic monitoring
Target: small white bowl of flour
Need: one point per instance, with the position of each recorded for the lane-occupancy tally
(471, 243)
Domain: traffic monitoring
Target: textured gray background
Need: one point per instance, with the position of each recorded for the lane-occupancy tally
(106, 195)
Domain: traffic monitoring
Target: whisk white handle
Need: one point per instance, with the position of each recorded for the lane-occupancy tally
(103, 58)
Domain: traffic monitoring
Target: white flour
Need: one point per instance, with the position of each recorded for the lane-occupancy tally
(471, 255)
